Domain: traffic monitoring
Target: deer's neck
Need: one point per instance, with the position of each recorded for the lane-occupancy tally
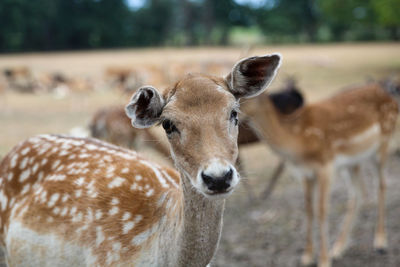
(268, 123)
(202, 224)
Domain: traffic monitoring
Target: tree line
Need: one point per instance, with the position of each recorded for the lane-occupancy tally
(46, 25)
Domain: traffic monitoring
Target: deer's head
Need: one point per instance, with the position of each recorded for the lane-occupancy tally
(200, 117)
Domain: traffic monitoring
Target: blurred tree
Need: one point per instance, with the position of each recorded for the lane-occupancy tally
(290, 18)
(388, 15)
(152, 24)
(81, 24)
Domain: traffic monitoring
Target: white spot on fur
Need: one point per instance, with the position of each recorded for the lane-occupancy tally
(117, 246)
(89, 215)
(99, 236)
(73, 211)
(14, 159)
(80, 181)
(53, 200)
(40, 176)
(113, 211)
(35, 168)
(114, 201)
(25, 151)
(126, 216)
(98, 214)
(64, 211)
(127, 227)
(56, 177)
(10, 176)
(55, 164)
(78, 217)
(25, 189)
(3, 200)
(65, 198)
(23, 163)
(78, 193)
(56, 210)
(138, 178)
(150, 192)
(44, 161)
(117, 182)
(24, 175)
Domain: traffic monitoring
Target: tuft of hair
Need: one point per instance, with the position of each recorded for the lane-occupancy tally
(289, 99)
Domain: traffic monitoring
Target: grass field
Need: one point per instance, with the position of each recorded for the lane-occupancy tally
(320, 70)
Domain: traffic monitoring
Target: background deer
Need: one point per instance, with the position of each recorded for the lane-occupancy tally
(337, 133)
(112, 125)
(70, 201)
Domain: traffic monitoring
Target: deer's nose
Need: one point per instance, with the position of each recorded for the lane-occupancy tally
(219, 183)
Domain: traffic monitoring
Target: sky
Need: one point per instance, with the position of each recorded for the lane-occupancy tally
(136, 4)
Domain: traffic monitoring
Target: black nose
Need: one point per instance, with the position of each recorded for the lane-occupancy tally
(218, 184)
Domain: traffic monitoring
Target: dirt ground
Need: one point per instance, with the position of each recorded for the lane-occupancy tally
(268, 233)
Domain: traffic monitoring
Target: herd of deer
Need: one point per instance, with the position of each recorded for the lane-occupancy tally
(124, 79)
(69, 201)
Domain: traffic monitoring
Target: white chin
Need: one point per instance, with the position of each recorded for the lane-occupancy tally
(216, 195)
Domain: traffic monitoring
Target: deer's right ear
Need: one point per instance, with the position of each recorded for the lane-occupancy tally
(145, 107)
(252, 75)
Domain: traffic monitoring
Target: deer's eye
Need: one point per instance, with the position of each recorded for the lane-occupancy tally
(169, 127)
(234, 117)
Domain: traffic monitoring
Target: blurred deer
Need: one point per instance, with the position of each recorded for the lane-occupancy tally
(20, 79)
(80, 202)
(112, 125)
(337, 133)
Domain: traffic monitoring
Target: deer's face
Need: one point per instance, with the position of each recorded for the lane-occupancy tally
(200, 120)
(199, 115)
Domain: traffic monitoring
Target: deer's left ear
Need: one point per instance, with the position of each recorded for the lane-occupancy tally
(252, 75)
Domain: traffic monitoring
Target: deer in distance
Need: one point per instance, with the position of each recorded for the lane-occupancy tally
(334, 134)
(69, 201)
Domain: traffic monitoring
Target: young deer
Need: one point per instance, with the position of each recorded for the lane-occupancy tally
(339, 132)
(81, 202)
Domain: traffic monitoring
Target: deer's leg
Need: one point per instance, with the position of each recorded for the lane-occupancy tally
(360, 183)
(352, 178)
(324, 175)
(274, 178)
(380, 240)
(308, 254)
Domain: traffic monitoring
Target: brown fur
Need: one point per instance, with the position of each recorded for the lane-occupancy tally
(312, 138)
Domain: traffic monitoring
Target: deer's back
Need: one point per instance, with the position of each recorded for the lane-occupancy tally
(88, 196)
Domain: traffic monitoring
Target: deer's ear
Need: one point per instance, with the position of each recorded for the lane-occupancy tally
(145, 107)
(252, 75)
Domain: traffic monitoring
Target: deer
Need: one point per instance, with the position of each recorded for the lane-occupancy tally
(337, 133)
(112, 125)
(68, 201)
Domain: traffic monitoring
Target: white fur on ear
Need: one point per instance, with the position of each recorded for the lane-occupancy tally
(251, 76)
(145, 107)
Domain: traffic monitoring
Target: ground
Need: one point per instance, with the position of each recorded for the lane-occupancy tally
(260, 233)
(272, 232)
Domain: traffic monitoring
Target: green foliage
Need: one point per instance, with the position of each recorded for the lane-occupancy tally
(84, 24)
(387, 11)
